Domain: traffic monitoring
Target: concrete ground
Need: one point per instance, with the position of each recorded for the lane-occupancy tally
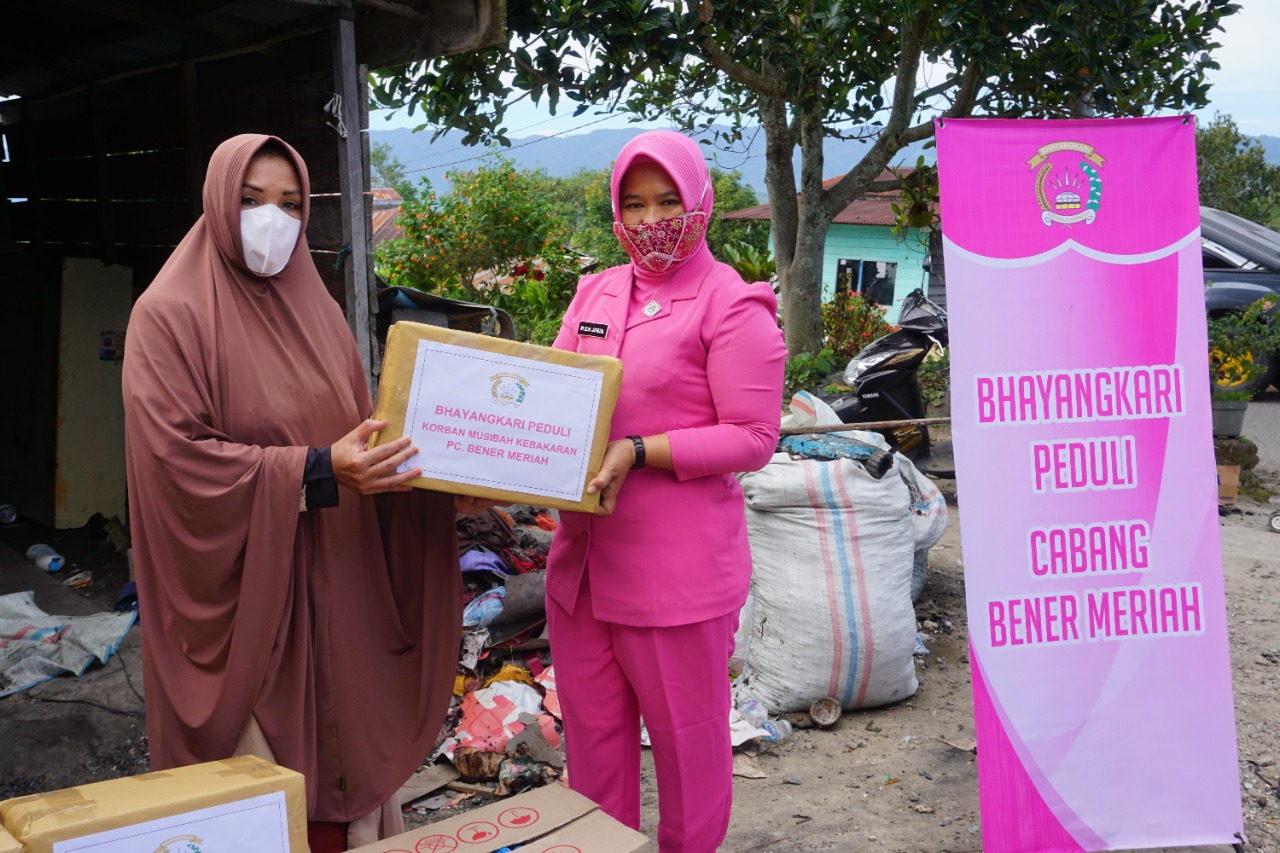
(70, 731)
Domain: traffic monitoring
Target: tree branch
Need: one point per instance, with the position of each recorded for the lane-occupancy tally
(734, 70)
(891, 138)
(934, 91)
(886, 185)
(962, 106)
(538, 75)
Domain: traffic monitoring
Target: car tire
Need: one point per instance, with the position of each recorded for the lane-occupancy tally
(1263, 380)
(1268, 377)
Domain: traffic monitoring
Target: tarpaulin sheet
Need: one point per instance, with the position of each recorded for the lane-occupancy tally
(36, 646)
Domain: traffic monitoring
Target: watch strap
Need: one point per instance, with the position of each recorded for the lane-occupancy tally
(638, 443)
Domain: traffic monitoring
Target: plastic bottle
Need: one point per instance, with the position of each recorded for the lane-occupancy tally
(752, 712)
(779, 730)
(45, 557)
(8, 515)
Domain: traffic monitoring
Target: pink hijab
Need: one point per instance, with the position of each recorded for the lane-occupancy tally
(336, 629)
(679, 156)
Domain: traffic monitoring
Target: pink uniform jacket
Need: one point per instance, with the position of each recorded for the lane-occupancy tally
(707, 371)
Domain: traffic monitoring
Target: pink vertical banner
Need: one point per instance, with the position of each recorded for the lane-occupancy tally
(1084, 460)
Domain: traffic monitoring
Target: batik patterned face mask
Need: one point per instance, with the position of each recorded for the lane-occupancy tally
(659, 246)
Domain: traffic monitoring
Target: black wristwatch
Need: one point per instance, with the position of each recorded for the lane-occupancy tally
(638, 443)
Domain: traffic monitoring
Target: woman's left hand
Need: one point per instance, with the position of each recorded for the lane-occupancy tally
(619, 456)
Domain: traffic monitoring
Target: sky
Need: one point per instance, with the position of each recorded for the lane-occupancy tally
(1247, 87)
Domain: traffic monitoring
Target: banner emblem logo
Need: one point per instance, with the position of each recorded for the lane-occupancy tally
(1068, 185)
(508, 389)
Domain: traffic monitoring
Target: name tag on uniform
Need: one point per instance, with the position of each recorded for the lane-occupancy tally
(594, 330)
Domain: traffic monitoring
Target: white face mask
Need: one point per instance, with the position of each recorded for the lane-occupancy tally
(268, 236)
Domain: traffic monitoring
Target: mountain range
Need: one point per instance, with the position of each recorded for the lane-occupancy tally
(562, 155)
(1270, 148)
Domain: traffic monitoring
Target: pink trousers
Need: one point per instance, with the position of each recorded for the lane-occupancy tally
(607, 677)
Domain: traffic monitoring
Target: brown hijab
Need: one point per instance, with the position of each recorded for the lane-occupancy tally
(336, 629)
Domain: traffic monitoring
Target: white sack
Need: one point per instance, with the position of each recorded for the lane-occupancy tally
(830, 610)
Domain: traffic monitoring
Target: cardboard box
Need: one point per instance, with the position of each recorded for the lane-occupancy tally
(8, 844)
(497, 419)
(1228, 483)
(552, 819)
(242, 803)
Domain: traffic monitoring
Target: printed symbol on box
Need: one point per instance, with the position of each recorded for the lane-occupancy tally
(181, 844)
(1064, 170)
(518, 818)
(436, 844)
(474, 833)
(562, 848)
(508, 389)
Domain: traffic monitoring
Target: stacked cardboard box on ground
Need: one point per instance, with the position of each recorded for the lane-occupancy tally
(242, 803)
(552, 819)
(247, 804)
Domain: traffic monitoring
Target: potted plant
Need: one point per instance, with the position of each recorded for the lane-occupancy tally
(1239, 344)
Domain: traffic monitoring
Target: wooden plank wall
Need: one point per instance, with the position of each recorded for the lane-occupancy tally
(113, 171)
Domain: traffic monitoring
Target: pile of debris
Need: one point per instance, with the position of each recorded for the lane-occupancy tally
(502, 734)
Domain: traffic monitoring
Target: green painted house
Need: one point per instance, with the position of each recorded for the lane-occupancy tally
(863, 254)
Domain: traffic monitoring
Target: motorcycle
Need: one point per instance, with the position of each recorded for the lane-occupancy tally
(885, 383)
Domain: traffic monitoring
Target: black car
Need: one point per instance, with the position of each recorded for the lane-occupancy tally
(1241, 265)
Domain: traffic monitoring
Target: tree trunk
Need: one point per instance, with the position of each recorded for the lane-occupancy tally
(780, 184)
(802, 286)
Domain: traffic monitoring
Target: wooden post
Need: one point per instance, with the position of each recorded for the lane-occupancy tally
(353, 183)
(376, 362)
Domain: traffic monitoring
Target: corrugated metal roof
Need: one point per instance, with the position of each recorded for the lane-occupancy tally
(870, 209)
(386, 207)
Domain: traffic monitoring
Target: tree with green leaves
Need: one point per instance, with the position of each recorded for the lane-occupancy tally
(1234, 173)
(495, 217)
(880, 70)
(494, 238)
(386, 170)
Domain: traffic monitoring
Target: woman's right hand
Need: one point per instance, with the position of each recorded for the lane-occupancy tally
(372, 471)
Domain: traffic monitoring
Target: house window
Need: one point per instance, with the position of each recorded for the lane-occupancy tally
(873, 279)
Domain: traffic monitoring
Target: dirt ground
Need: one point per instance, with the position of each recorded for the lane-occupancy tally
(899, 778)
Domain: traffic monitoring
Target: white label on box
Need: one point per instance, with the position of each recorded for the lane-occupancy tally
(483, 419)
(254, 825)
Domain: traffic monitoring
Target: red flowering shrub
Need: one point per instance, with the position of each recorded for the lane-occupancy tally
(850, 322)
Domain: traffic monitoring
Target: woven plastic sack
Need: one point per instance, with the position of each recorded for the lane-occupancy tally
(830, 610)
(929, 518)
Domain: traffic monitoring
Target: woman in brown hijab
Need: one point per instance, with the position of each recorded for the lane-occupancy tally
(282, 612)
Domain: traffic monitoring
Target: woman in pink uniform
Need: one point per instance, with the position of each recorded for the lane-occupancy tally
(643, 597)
